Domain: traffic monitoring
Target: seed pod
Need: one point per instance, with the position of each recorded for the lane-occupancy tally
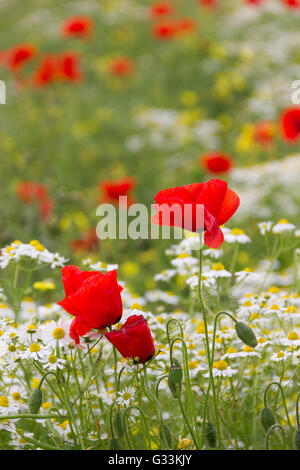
(165, 435)
(297, 439)
(210, 434)
(118, 424)
(246, 334)
(35, 401)
(267, 418)
(114, 444)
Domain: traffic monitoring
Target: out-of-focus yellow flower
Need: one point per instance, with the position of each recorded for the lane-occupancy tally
(43, 286)
(130, 268)
(79, 219)
(189, 98)
(217, 51)
(222, 87)
(245, 142)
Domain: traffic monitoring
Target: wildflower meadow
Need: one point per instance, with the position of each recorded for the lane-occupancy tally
(150, 227)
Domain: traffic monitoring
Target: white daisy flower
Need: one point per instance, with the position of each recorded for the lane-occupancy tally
(236, 235)
(282, 226)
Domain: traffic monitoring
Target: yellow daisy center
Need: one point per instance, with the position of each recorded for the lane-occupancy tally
(58, 333)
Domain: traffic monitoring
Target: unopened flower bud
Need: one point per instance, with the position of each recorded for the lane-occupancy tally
(35, 401)
(267, 418)
(297, 439)
(175, 379)
(210, 434)
(246, 334)
(118, 424)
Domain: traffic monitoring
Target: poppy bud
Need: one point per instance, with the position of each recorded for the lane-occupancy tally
(175, 373)
(114, 444)
(297, 439)
(118, 424)
(165, 435)
(210, 434)
(35, 401)
(175, 378)
(246, 334)
(267, 418)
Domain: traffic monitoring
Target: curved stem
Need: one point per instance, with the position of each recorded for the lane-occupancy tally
(270, 432)
(147, 444)
(283, 400)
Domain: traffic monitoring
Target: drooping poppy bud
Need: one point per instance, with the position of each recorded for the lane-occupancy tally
(35, 401)
(210, 434)
(246, 334)
(175, 378)
(118, 424)
(297, 439)
(267, 418)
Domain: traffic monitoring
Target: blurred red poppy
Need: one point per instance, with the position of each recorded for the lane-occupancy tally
(133, 340)
(31, 192)
(88, 242)
(220, 203)
(80, 26)
(161, 8)
(121, 66)
(185, 25)
(53, 68)
(290, 124)
(92, 297)
(46, 71)
(291, 3)
(164, 30)
(68, 67)
(112, 190)
(17, 56)
(264, 133)
(217, 162)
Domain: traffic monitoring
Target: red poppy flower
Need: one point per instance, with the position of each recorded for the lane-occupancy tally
(68, 67)
(220, 203)
(46, 208)
(165, 30)
(133, 340)
(80, 26)
(17, 56)
(92, 297)
(88, 242)
(290, 124)
(161, 8)
(264, 133)
(30, 192)
(121, 66)
(53, 68)
(291, 3)
(185, 25)
(217, 162)
(112, 190)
